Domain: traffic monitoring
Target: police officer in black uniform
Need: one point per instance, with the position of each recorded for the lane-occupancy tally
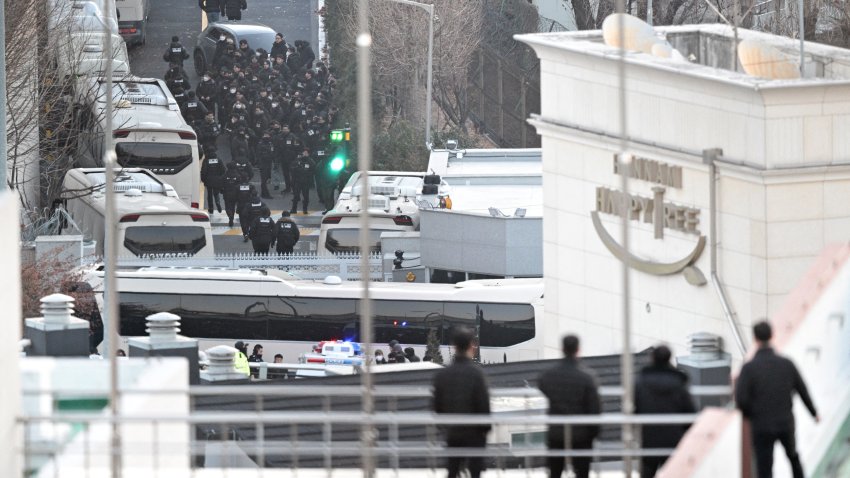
(193, 111)
(302, 176)
(265, 159)
(207, 91)
(175, 53)
(287, 148)
(231, 187)
(212, 175)
(252, 210)
(208, 132)
(176, 76)
(262, 232)
(286, 234)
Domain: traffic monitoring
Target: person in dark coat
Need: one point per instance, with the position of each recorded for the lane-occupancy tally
(265, 160)
(231, 184)
(305, 52)
(262, 232)
(660, 388)
(410, 355)
(764, 392)
(279, 47)
(212, 175)
(571, 390)
(286, 234)
(212, 9)
(462, 388)
(233, 9)
(176, 52)
(252, 210)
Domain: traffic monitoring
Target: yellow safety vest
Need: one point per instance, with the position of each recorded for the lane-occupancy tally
(241, 364)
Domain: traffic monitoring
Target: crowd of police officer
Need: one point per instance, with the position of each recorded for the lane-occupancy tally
(274, 110)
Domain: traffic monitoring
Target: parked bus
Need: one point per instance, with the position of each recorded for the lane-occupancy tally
(291, 316)
(148, 130)
(152, 221)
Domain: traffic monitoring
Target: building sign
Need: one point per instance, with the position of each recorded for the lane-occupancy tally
(651, 210)
(651, 171)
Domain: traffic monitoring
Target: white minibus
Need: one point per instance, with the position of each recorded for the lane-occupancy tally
(151, 220)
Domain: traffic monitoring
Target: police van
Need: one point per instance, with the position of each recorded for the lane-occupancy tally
(151, 220)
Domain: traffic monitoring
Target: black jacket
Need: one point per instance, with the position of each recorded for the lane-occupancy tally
(233, 9)
(262, 230)
(571, 390)
(765, 389)
(212, 173)
(662, 389)
(286, 233)
(210, 5)
(462, 388)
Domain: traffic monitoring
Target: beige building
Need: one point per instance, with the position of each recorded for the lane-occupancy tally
(783, 182)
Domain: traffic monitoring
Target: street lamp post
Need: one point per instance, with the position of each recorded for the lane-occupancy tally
(430, 9)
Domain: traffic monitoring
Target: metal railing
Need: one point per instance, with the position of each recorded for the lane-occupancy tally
(303, 265)
(318, 427)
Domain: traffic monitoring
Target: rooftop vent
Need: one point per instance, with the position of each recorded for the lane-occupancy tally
(379, 202)
(163, 326)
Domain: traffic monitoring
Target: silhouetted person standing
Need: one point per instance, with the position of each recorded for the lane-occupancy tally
(462, 388)
(764, 393)
(571, 390)
(660, 388)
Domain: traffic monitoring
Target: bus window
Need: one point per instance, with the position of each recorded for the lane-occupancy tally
(165, 240)
(224, 317)
(406, 321)
(161, 158)
(135, 308)
(312, 320)
(499, 325)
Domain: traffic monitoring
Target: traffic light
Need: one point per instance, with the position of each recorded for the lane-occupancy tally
(337, 163)
(339, 139)
(337, 136)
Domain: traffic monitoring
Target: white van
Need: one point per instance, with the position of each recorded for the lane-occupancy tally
(133, 20)
(148, 130)
(152, 221)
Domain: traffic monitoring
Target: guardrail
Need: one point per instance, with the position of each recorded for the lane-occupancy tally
(321, 428)
(302, 265)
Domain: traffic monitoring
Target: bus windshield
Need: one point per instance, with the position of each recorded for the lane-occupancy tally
(164, 240)
(161, 158)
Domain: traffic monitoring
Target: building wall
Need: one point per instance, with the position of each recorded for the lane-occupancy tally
(10, 334)
(782, 192)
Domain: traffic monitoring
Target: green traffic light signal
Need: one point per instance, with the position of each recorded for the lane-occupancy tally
(337, 164)
(337, 135)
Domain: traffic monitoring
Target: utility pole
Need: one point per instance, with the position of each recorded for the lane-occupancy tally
(364, 161)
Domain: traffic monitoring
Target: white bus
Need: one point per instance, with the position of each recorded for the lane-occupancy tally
(221, 306)
(148, 130)
(84, 54)
(393, 207)
(152, 221)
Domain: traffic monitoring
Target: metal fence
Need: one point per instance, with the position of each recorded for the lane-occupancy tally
(302, 265)
(318, 428)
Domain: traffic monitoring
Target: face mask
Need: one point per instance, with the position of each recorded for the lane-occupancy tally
(232, 90)
(274, 105)
(206, 78)
(222, 38)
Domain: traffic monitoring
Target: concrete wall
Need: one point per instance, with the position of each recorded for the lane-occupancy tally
(506, 246)
(10, 334)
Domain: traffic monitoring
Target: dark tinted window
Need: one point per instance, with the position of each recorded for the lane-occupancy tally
(224, 317)
(256, 40)
(406, 321)
(499, 325)
(134, 309)
(161, 158)
(348, 240)
(164, 240)
(312, 320)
